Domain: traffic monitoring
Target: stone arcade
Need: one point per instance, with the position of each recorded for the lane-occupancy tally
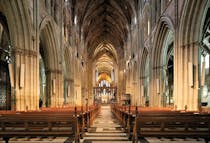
(60, 54)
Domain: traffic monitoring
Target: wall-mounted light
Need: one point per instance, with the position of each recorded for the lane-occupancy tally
(11, 74)
(158, 86)
(22, 75)
(53, 86)
(190, 74)
(148, 26)
(75, 20)
(135, 20)
(203, 74)
(142, 90)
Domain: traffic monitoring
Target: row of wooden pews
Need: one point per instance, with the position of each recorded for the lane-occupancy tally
(142, 122)
(48, 122)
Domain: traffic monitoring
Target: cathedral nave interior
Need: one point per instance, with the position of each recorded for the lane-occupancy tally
(101, 59)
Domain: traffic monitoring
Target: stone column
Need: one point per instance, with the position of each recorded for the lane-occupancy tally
(90, 81)
(186, 96)
(54, 88)
(26, 95)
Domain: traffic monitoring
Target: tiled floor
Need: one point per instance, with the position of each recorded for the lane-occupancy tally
(105, 129)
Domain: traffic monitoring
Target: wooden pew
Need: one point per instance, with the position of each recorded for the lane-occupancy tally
(45, 125)
(172, 125)
(162, 122)
(90, 114)
(68, 122)
(126, 117)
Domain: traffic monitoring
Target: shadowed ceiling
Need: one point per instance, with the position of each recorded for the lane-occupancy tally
(104, 25)
(105, 21)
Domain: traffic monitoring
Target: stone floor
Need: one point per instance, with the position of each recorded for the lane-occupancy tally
(105, 129)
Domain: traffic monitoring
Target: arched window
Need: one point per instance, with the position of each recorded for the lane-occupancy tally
(168, 69)
(5, 59)
(146, 81)
(42, 77)
(204, 61)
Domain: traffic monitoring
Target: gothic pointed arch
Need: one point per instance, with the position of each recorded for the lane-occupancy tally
(20, 27)
(144, 77)
(48, 34)
(52, 60)
(146, 21)
(68, 76)
(203, 58)
(20, 31)
(5, 60)
(164, 38)
(187, 51)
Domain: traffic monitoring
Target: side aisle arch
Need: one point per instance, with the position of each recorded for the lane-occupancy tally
(162, 82)
(50, 47)
(144, 78)
(189, 55)
(23, 56)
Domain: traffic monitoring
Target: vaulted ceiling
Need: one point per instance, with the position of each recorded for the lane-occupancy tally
(104, 21)
(104, 25)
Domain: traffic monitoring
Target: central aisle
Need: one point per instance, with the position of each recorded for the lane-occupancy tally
(105, 129)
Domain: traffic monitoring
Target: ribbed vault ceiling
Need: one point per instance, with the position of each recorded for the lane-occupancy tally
(105, 56)
(104, 26)
(105, 21)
